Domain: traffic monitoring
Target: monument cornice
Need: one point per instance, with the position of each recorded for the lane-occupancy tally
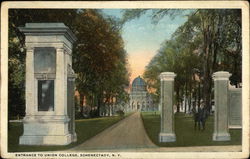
(48, 29)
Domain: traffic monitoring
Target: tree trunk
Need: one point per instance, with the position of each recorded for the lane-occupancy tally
(190, 96)
(178, 100)
(99, 103)
(207, 83)
(186, 94)
(195, 97)
(199, 95)
(81, 103)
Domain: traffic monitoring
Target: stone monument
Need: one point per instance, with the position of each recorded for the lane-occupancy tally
(167, 133)
(221, 132)
(49, 88)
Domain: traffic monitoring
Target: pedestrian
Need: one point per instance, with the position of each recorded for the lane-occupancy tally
(200, 117)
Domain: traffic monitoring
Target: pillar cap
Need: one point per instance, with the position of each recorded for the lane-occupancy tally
(167, 76)
(49, 29)
(221, 75)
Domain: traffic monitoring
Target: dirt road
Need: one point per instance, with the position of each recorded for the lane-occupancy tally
(128, 133)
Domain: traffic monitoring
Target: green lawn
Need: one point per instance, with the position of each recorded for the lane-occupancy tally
(85, 129)
(185, 133)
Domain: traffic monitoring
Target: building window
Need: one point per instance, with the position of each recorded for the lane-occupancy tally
(45, 95)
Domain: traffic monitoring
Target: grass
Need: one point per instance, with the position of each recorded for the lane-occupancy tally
(85, 129)
(185, 133)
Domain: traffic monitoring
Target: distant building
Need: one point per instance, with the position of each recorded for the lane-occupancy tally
(140, 99)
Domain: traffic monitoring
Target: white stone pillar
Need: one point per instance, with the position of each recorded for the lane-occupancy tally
(60, 83)
(221, 132)
(167, 133)
(29, 83)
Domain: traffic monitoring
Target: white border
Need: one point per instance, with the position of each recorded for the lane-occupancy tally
(136, 4)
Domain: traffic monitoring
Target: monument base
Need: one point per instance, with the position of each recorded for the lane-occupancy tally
(167, 137)
(46, 140)
(45, 131)
(221, 137)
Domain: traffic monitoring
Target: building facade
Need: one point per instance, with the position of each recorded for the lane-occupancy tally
(140, 100)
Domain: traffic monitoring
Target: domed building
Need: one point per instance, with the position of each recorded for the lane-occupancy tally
(139, 97)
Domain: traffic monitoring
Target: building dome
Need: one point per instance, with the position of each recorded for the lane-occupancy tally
(139, 84)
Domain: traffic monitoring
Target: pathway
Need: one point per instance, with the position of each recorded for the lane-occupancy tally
(127, 133)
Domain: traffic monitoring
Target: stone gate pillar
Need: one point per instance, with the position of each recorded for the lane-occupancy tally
(221, 106)
(49, 84)
(167, 133)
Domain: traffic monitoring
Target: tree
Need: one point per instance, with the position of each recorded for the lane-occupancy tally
(100, 58)
(212, 36)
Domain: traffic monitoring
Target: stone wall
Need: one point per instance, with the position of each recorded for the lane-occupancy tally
(235, 107)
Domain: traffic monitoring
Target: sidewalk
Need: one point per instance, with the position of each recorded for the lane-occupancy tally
(171, 149)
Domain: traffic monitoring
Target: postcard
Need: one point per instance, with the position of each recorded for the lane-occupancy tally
(128, 79)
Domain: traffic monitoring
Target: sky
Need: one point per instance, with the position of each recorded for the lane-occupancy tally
(142, 38)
